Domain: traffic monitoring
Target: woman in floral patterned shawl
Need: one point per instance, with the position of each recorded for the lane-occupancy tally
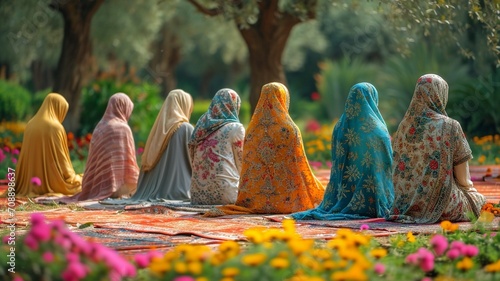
(275, 176)
(360, 184)
(431, 172)
(216, 148)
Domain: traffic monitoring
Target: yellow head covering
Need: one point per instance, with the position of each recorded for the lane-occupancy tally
(176, 110)
(45, 154)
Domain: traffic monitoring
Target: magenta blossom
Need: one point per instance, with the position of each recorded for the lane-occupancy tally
(379, 268)
(48, 257)
(439, 244)
(423, 258)
(453, 254)
(14, 160)
(364, 227)
(184, 278)
(36, 181)
(15, 151)
(470, 251)
(74, 271)
(140, 150)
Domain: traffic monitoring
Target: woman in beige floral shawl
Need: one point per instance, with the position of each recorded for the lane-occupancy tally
(430, 161)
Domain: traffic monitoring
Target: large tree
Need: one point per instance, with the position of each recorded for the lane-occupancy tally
(75, 62)
(265, 27)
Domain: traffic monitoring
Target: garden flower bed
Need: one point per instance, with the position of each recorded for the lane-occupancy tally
(49, 251)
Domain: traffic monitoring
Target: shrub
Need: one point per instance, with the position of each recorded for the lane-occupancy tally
(15, 101)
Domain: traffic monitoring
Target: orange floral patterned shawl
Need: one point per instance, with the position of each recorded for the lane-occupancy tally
(276, 177)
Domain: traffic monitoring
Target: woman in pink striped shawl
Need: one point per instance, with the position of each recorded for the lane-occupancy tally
(111, 170)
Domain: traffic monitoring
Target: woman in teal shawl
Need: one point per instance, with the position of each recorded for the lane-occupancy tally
(360, 184)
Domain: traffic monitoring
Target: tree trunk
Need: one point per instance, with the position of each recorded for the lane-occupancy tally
(266, 41)
(41, 75)
(75, 62)
(166, 57)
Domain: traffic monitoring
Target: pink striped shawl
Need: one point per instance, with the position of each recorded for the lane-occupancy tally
(111, 169)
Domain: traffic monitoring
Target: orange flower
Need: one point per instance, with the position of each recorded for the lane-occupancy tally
(71, 136)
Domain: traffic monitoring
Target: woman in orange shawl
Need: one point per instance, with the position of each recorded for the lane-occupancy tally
(275, 177)
(45, 154)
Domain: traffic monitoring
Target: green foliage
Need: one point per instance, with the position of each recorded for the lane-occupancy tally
(15, 101)
(336, 79)
(145, 96)
(475, 105)
(400, 74)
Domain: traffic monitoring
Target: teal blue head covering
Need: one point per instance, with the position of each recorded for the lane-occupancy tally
(223, 109)
(360, 183)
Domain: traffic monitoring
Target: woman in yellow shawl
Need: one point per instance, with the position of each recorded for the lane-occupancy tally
(275, 176)
(45, 154)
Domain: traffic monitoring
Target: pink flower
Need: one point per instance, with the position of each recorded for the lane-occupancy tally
(470, 251)
(184, 278)
(457, 245)
(14, 160)
(427, 279)
(18, 278)
(412, 258)
(48, 257)
(36, 181)
(439, 244)
(15, 151)
(426, 259)
(6, 149)
(453, 254)
(74, 271)
(364, 227)
(423, 258)
(379, 268)
(140, 150)
(329, 164)
(142, 260)
(40, 232)
(31, 242)
(313, 126)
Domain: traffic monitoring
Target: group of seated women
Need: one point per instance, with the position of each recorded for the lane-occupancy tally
(420, 175)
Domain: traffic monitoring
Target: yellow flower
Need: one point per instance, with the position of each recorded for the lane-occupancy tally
(465, 264)
(289, 225)
(448, 226)
(254, 259)
(336, 244)
(201, 279)
(493, 267)
(158, 267)
(300, 246)
(230, 271)
(481, 159)
(378, 253)
(195, 267)
(279, 263)
(332, 265)
(497, 160)
(229, 248)
(310, 263)
(321, 254)
(410, 237)
(352, 274)
(180, 267)
(254, 235)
